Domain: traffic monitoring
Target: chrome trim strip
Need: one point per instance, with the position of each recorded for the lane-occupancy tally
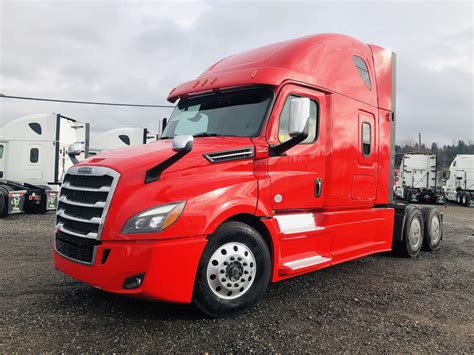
(68, 186)
(89, 235)
(98, 204)
(242, 153)
(94, 220)
(306, 262)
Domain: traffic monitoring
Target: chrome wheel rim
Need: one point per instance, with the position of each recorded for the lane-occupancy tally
(435, 230)
(414, 234)
(231, 270)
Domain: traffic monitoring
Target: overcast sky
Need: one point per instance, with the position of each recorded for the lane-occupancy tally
(133, 51)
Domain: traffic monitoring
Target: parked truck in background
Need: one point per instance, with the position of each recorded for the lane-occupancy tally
(33, 160)
(417, 179)
(275, 163)
(460, 180)
(121, 138)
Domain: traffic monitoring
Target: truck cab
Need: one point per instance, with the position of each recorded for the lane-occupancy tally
(275, 162)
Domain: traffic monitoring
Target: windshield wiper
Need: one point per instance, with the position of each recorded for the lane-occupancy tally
(205, 134)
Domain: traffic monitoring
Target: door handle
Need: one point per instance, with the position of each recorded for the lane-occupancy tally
(318, 187)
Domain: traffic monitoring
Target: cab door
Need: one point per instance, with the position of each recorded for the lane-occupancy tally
(297, 176)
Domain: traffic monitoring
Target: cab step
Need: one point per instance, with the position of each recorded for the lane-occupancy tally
(302, 264)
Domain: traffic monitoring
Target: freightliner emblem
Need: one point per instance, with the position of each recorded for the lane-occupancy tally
(85, 170)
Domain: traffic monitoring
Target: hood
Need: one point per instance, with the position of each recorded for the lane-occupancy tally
(139, 159)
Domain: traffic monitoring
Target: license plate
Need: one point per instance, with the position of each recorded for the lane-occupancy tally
(51, 200)
(16, 199)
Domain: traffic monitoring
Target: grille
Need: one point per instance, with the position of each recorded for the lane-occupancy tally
(82, 207)
(76, 248)
(226, 155)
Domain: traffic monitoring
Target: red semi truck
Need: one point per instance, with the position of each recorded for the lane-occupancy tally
(275, 163)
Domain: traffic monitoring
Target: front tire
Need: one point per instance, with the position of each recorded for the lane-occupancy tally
(234, 271)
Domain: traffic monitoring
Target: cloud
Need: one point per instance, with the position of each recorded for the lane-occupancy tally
(137, 51)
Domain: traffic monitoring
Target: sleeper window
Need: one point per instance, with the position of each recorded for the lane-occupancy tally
(363, 70)
(36, 127)
(366, 139)
(1, 151)
(34, 155)
(124, 138)
(283, 134)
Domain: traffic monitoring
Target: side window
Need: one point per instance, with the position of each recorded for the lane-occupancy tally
(36, 127)
(283, 135)
(366, 139)
(363, 70)
(1, 151)
(34, 155)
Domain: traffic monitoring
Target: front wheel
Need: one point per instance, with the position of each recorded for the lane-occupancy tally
(234, 271)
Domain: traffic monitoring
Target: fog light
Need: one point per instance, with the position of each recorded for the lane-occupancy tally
(133, 281)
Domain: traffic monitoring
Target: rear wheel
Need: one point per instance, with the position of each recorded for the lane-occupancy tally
(466, 201)
(234, 271)
(3, 201)
(412, 241)
(433, 228)
(459, 198)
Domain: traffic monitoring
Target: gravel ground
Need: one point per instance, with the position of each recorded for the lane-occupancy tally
(374, 304)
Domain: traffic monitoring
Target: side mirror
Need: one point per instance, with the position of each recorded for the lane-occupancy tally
(298, 125)
(182, 143)
(299, 115)
(73, 151)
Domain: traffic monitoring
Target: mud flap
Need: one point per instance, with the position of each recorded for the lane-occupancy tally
(16, 199)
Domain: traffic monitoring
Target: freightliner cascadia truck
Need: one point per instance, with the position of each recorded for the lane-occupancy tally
(275, 163)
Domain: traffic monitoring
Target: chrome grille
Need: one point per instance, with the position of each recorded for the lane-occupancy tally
(82, 208)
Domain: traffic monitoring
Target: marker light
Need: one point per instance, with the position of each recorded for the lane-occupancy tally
(154, 220)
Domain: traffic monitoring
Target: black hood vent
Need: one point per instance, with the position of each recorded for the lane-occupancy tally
(227, 155)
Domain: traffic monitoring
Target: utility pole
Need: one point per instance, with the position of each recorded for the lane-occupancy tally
(419, 142)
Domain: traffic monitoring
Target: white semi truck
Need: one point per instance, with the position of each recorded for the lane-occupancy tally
(460, 180)
(121, 138)
(33, 160)
(417, 180)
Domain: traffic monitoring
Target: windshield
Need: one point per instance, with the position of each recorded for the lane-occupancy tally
(238, 113)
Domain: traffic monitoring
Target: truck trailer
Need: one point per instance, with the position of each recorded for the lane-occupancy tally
(121, 138)
(417, 179)
(33, 160)
(275, 163)
(460, 180)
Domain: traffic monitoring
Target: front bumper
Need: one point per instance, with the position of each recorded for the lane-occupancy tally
(169, 266)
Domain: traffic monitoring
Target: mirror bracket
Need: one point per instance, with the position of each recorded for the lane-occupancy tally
(182, 145)
(279, 149)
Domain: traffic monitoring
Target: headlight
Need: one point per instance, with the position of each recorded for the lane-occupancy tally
(154, 219)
